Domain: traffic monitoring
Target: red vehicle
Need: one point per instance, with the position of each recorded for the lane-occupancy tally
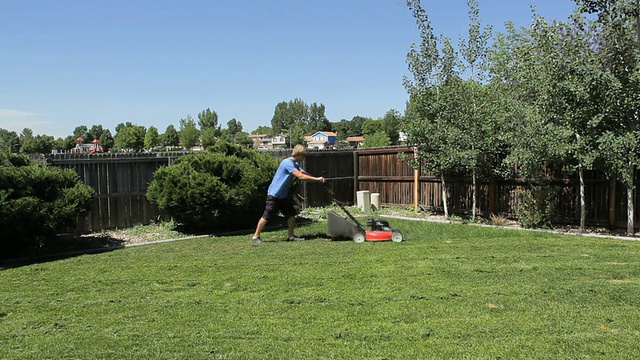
(349, 227)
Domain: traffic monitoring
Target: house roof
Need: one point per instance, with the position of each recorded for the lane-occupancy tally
(355, 138)
(325, 133)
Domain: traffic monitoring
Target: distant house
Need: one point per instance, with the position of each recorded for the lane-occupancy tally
(321, 140)
(355, 141)
(266, 141)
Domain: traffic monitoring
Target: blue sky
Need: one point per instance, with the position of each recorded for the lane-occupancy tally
(68, 63)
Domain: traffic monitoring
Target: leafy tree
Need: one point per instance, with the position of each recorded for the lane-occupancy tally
(209, 138)
(619, 52)
(379, 138)
(243, 139)
(288, 114)
(129, 136)
(40, 144)
(266, 130)
(80, 131)
(9, 140)
(317, 119)
(189, 134)
(370, 127)
(208, 119)
(151, 138)
(428, 114)
(391, 125)
(355, 125)
(341, 128)
(95, 132)
(106, 140)
(170, 137)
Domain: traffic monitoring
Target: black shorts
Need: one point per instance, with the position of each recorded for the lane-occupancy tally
(285, 206)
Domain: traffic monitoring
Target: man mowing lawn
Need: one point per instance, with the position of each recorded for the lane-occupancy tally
(278, 197)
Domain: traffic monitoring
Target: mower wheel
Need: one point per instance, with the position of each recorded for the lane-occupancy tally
(396, 236)
(358, 237)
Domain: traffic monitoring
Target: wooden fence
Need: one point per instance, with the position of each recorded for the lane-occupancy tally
(121, 182)
(380, 171)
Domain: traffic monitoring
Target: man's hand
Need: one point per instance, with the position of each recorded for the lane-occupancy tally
(320, 179)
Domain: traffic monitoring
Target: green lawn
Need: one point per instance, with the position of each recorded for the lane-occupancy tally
(448, 291)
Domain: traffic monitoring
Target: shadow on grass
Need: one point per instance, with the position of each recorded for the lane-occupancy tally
(63, 247)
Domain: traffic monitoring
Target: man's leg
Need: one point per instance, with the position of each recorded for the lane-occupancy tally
(261, 223)
(291, 225)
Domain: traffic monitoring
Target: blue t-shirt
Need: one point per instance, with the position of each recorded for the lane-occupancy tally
(282, 179)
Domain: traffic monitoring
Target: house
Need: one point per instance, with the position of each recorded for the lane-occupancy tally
(355, 141)
(269, 141)
(321, 140)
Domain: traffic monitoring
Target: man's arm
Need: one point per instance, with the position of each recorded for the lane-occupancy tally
(303, 175)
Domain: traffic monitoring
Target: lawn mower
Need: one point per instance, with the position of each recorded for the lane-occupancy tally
(349, 227)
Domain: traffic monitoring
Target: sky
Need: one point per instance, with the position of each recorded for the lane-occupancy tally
(67, 63)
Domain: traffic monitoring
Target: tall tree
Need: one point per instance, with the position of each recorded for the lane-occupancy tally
(428, 113)
(317, 119)
(208, 119)
(620, 53)
(189, 134)
(129, 136)
(391, 125)
(289, 114)
(151, 138)
(170, 136)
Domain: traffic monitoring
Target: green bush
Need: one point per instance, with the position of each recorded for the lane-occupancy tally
(536, 206)
(214, 191)
(37, 202)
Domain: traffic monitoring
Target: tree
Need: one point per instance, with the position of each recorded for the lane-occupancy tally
(170, 137)
(106, 140)
(9, 140)
(377, 139)
(189, 134)
(208, 119)
(341, 128)
(263, 130)
(95, 132)
(619, 52)
(80, 131)
(370, 127)
(129, 136)
(209, 138)
(317, 119)
(391, 125)
(427, 115)
(288, 114)
(151, 138)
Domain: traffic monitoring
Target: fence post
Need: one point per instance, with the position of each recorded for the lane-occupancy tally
(416, 183)
(355, 175)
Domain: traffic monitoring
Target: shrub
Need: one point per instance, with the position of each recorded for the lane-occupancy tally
(37, 202)
(218, 191)
(536, 206)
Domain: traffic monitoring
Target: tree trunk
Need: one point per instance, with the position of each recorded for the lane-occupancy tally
(474, 195)
(583, 203)
(444, 197)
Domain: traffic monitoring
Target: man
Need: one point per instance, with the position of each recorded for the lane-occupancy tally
(278, 197)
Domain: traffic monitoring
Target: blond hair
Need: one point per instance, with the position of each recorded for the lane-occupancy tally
(298, 150)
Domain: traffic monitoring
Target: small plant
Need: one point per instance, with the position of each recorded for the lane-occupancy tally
(498, 220)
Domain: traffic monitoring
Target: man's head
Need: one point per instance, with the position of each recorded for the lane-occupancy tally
(298, 152)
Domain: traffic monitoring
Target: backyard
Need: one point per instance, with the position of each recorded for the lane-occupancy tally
(447, 291)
